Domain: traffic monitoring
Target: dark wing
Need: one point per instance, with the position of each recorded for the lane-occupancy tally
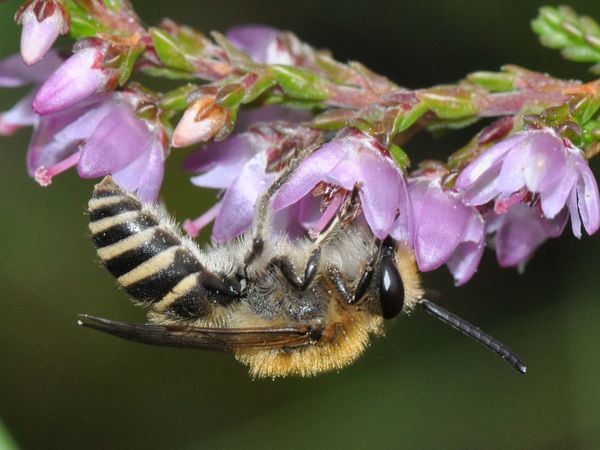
(217, 339)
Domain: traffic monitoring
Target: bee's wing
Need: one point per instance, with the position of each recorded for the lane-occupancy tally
(218, 339)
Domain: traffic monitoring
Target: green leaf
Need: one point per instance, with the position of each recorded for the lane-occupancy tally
(399, 156)
(493, 81)
(299, 83)
(264, 82)
(127, 61)
(172, 74)
(587, 109)
(578, 37)
(114, 5)
(6, 441)
(238, 58)
(231, 95)
(449, 102)
(170, 50)
(83, 23)
(406, 120)
(334, 119)
(176, 100)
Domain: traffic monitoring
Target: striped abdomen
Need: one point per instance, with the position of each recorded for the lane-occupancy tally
(145, 255)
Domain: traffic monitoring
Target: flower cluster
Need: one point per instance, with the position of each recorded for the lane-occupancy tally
(258, 101)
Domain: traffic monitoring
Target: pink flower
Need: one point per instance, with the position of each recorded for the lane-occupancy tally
(353, 158)
(445, 230)
(100, 136)
(43, 21)
(79, 77)
(520, 231)
(238, 167)
(531, 165)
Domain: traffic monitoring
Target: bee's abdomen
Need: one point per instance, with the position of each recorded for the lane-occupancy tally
(143, 253)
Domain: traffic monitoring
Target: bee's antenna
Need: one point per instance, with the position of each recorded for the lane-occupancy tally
(475, 333)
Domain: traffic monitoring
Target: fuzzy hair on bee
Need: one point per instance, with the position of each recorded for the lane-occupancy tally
(282, 307)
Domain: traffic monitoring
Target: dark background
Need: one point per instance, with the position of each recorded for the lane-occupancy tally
(422, 386)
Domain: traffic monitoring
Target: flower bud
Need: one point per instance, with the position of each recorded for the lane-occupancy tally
(200, 122)
(43, 21)
(79, 77)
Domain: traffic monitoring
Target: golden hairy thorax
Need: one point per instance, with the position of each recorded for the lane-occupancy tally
(345, 338)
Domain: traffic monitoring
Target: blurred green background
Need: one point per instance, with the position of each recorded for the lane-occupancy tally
(422, 386)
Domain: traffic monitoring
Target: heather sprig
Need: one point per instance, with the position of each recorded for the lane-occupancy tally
(257, 98)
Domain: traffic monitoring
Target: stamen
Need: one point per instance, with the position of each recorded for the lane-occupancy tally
(193, 227)
(329, 213)
(44, 175)
(502, 204)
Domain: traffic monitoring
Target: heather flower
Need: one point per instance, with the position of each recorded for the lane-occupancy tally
(238, 166)
(353, 158)
(79, 77)
(100, 136)
(14, 73)
(43, 21)
(261, 43)
(445, 230)
(518, 232)
(532, 165)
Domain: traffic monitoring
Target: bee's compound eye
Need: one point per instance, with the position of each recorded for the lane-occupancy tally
(391, 288)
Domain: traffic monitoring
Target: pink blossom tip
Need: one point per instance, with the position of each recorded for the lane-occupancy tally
(77, 78)
(191, 229)
(42, 176)
(43, 21)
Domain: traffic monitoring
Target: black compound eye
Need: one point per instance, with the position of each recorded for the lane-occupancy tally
(391, 287)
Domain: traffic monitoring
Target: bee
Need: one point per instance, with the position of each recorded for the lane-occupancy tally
(282, 307)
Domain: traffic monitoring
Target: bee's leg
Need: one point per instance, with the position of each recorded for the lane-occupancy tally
(364, 281)
(284, 264)
(261, 211)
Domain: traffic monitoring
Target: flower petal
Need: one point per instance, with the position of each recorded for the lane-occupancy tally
(119, 138)
(464, 261)
(434, 243)
(76, 79)
(20, 115)
(312, 170)
(13, 72)
(511, 176)
(380, 186)
(237, 210)
(519, 235)
(483, 189)
(144, 174)
(546, 162)
(574, 213)
(487, 160)
(260, 42)
(47, 147)
(221, 161)
(37, 37)
(587, 197)
(553, 200)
